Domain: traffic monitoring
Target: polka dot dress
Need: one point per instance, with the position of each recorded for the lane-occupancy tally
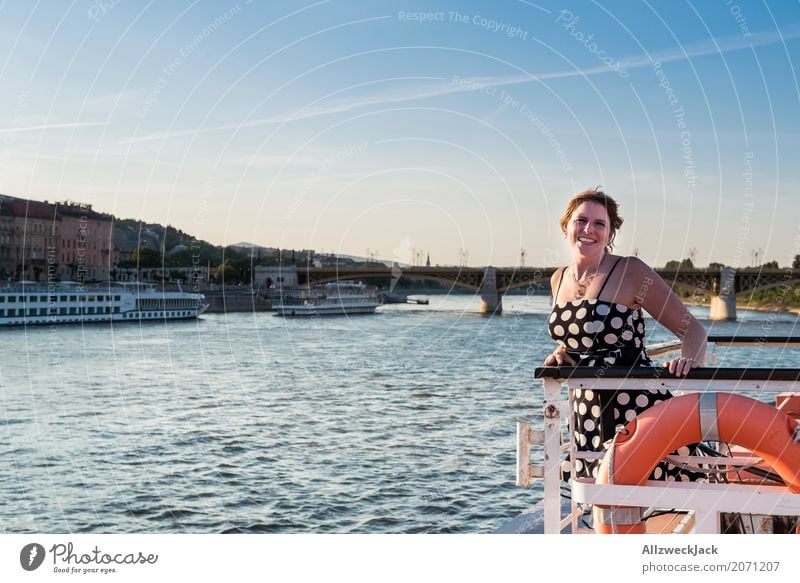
(600, 334)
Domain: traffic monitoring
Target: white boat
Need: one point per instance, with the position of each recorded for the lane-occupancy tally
(30, 303)
(331, 299)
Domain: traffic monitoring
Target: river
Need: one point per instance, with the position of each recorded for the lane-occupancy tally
(402, 421)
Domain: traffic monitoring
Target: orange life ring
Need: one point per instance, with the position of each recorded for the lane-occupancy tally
(663, 428)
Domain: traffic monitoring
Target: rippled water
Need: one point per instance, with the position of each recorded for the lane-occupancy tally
(403, 421)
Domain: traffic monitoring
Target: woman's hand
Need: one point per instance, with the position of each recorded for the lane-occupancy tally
(559, 357)
(680, 366)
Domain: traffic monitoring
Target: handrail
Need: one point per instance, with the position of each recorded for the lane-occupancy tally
(670, 346)
(664, 348)
(650, 372)
(744, 340)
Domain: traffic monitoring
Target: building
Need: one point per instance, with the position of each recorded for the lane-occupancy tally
(31, 228)
(42, 241)
(86, 243)
(275, 277)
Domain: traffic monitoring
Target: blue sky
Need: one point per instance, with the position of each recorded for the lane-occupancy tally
(399, 126)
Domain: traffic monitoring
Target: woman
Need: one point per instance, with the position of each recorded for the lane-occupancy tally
(597, 321)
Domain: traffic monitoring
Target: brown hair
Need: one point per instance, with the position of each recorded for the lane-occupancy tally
(598, 196)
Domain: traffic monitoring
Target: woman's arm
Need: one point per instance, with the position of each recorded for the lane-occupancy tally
(655, 296)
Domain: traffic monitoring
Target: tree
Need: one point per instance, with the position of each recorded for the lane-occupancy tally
(796, 262)
(677, 265)
(146, 257)
(226, 273)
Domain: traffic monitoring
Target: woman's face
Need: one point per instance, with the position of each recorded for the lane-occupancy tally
(589, 229)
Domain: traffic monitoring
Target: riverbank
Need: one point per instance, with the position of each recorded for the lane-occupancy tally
(769, 307)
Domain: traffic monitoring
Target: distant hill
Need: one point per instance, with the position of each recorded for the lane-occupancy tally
(176, 247)
(154, 245)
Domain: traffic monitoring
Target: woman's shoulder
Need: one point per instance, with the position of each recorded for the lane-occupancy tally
(632, 264)
(557, 274)
(634, 275)
(555, 281)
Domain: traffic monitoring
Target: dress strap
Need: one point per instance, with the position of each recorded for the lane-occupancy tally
(560, 279)
(608, 277)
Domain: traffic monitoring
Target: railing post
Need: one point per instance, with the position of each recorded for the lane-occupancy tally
(706, 521)
(552, 462)
(523, 453)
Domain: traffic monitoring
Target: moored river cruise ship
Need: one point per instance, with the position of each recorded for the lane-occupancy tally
(31, 303)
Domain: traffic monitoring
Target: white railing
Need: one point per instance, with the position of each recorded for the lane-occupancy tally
(705, 500)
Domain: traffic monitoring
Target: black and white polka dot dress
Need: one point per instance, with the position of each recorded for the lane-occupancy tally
(599, 334)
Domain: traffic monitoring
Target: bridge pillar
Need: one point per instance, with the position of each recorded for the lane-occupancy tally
(491, 301)
(723, 306)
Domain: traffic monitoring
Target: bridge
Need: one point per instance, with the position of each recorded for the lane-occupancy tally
(721, 285)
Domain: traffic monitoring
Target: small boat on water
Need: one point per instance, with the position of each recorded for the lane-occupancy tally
(332, 299)
(398, 298)
(66, 302)
(750, 451)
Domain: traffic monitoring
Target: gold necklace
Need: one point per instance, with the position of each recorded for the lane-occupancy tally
(584, 283)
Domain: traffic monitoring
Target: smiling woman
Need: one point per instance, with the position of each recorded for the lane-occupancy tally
(597, 321)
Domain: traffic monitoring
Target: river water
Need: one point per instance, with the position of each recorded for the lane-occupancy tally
(402, 421)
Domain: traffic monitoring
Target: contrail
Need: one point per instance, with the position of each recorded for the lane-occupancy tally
(55, 126)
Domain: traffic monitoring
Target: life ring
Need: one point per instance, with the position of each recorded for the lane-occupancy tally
(679, 421)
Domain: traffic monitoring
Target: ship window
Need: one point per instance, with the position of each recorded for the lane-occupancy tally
(62, 311)
(43, 299)
(12, 298)
(116, 298)
(116, 309)
(2, 313)
(12, 312)
(73, 298)
(62, 298)
(91, 311)
(2, 299)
